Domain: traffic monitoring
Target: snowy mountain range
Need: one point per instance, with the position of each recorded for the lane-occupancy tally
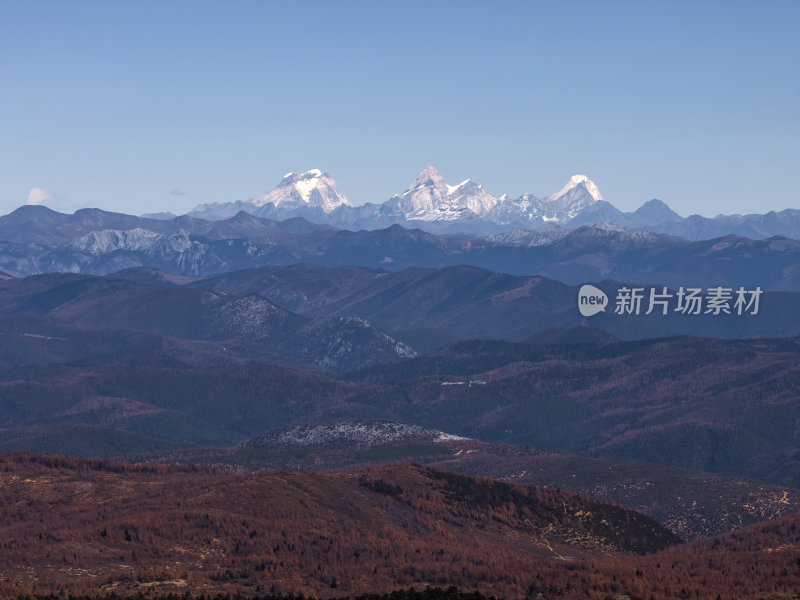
(432, 204)
(429, 202)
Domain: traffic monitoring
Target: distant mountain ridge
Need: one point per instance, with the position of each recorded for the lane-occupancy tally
(461, 302)
(35, 240)
(432, 204)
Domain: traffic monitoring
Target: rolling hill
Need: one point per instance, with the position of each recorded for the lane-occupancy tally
(90, 527)
(725, 407)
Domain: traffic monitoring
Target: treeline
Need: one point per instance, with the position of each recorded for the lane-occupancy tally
(429, 593)
(72, 463)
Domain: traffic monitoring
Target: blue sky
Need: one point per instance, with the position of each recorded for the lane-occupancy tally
(146, 106)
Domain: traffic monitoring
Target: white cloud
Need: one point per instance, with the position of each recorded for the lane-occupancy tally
(38, 197)
(177, 192)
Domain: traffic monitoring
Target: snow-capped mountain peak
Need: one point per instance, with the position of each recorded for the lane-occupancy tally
(574, 182)
(430, 198)
(579, 194)
(430, 176)
(312, 188)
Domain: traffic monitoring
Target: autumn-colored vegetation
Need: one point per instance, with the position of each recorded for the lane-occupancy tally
(718, 406)
(70, 526)
(429, 593)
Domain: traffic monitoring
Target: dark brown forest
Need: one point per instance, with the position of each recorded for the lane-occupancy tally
(71, 526)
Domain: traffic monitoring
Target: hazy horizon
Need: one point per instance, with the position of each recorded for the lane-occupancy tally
(54, 205)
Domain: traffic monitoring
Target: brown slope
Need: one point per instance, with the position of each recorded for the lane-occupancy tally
(693, 504)
(760, 561)
(94, 527)
(77, 526)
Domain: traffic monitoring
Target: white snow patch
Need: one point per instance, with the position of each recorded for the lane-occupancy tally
(305, 186)
(452, 188)
(360, 434)
(449, 437)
